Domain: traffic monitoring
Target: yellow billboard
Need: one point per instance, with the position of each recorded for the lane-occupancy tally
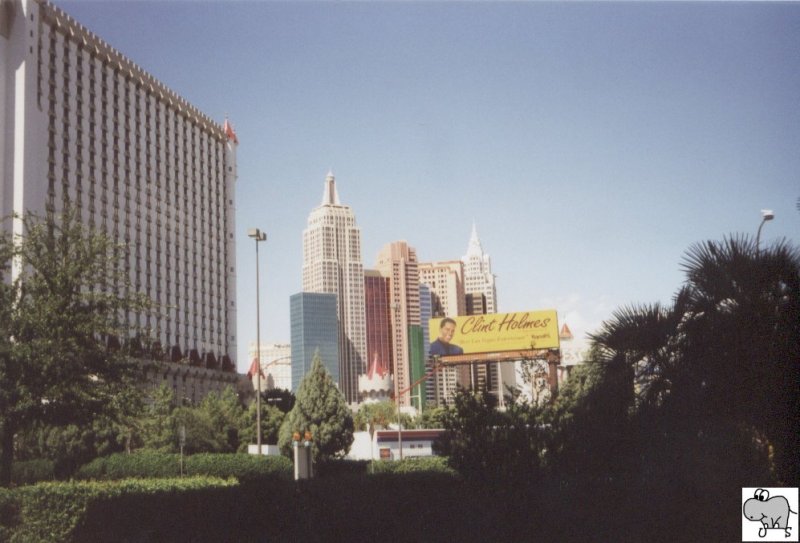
(494, 333)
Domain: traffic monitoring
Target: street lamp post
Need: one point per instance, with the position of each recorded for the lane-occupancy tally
(258, 235)
(399, 430)
(767, 215)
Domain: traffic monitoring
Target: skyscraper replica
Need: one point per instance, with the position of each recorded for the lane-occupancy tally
(315, 329)
(478, 277)
(376, 384)
(433, 379)
(85, 128)
(398, 262)
(444, 281)
(481, 297)
(332, 263)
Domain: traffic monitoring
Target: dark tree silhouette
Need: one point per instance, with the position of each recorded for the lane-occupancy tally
(727, 351)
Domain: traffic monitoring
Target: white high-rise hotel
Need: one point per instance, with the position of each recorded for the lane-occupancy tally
(84, 126)
(332, 263)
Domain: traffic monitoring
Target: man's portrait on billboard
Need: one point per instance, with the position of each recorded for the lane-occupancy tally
(443, 345)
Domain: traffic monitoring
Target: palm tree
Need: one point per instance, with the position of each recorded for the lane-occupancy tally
(727, 350)
(744, 337)
(642, 338)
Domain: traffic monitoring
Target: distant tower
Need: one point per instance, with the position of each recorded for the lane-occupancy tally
(276, 362)
(314, 329)
(398, 262)
(379, 334)
(481, 297)
(376, 385)
(444, 281)
(332, 263)
(438, 383)
(478, 277)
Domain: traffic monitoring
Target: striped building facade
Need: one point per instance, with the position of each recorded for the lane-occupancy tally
(86, 129)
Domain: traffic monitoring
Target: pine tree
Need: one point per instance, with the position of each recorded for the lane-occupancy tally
(322, 410)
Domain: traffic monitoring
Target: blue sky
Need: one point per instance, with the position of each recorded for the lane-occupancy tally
(592, 143)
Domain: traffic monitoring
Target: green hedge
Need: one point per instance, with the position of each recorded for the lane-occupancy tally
(442, 508)
(244, 467)
(111, 510)
(338, 466)
(422, 464)
(9, 514)
(138, 464)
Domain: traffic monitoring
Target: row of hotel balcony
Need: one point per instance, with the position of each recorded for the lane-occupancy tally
(173, 353)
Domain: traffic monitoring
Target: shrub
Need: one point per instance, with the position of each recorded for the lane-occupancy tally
(244, 467)
(484, 444)
(101, 511)
(9, 514)
(138, 464)
(336, 467)
(423, 464)
(32, 471)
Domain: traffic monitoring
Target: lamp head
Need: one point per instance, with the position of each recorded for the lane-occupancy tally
(256, 234)
(767, 214)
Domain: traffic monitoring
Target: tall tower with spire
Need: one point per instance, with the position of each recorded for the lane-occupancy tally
(332, 263)
(478, 277)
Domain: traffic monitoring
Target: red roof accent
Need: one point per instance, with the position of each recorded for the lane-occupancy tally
(376, 366)
(254, 369)
(230, 132)
(565, 333)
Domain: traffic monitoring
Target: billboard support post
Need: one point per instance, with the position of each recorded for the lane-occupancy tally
(553, 359)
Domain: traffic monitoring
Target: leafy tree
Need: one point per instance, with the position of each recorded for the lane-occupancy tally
(590, 422)
(487, 445)
(321, 409)
(199, 430)
(433, 418)
(225, 413)
(212, 426)
(373, 415)
(157, 421)
(70, 446)
(271, 420)
(9, 365)
(67, 300)
(279, 397)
